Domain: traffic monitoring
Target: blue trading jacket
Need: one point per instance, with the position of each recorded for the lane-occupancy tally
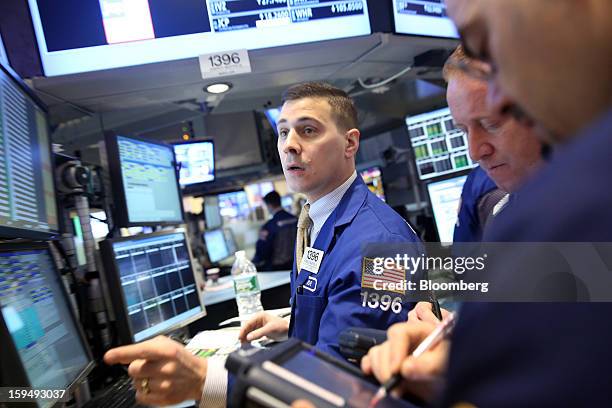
(331, 300)
(468, 228)
(544, 354)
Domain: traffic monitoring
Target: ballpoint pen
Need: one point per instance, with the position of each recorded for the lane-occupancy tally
(438, 334)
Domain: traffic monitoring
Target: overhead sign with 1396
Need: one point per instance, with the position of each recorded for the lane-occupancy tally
(225, 63)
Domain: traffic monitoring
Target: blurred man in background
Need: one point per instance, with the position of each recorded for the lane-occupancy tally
(274, 248)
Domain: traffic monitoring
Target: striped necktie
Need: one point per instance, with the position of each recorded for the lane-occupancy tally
(303, 235)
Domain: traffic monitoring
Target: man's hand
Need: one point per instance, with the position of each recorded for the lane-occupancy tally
(422, 312)
(425, 374)
(164, 372)
(264, 324)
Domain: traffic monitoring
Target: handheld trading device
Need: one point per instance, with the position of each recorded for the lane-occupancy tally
(295, 370)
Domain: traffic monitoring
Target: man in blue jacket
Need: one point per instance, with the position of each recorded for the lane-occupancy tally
(317, 144)
(318, 140)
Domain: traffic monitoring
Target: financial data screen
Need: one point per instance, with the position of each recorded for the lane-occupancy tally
(37, 316)
(423, 17)
(118, 33)
(157, 282)
(27, 195)
(445, 198)
(149, 180)
(439, 147)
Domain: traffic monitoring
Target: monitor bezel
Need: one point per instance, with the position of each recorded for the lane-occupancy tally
(214, 172)
(19, 373)
(112, 274)
(17, 232)
(121, 215)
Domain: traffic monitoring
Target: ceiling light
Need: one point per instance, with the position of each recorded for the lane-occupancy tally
(218, 88)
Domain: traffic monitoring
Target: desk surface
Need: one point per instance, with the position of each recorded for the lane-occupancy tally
(224, 290)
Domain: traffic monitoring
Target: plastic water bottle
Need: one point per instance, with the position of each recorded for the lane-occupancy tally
(246, 285)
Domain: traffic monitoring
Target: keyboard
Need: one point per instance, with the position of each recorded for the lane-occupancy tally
(119, 395)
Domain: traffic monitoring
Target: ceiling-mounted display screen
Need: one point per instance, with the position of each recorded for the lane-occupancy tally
(90, 35)
(423, 17)
(439, 147)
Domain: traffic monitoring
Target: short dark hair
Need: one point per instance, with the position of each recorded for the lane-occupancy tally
(343, 107)
(272, 199)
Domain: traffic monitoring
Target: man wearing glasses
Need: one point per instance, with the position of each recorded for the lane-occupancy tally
(549, 62)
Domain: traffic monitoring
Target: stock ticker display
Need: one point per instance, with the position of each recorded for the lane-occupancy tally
(119, 33)
(238, 15)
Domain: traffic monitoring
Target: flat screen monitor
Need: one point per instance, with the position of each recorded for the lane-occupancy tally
(120, 33)
(220, 244)
(212, 212)
(196, 162)
(439, 147)
(145, 183)
(445, 196)
(234, 205)
(372, 177)
(27, 187)
(151, 278)
(41, 342)
(423, 17)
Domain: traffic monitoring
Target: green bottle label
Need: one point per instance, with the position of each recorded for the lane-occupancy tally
(246, 285)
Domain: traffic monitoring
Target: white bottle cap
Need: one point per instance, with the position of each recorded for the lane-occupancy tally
(240, 254)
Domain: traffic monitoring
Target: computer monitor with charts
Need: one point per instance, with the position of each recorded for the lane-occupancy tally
(445, 196)
(41, 342)
(151, 278)
(27, 192)
(439, 147)
(145, 182)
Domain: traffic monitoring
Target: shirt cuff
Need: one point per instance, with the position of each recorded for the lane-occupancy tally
(215, 386)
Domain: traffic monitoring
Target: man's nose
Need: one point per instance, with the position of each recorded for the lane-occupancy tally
(292, 143)
(479, 146)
